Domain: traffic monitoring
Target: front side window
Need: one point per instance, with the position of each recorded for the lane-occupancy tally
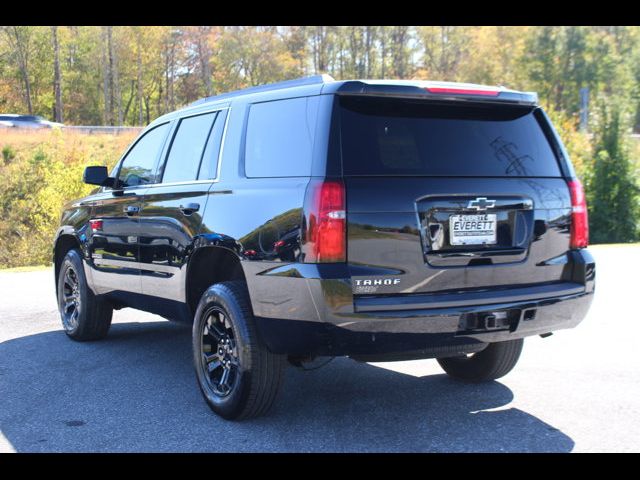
(139, 166)
(187, 148)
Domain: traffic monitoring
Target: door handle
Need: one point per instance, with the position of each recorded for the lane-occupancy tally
(131, 210)
(189, 208)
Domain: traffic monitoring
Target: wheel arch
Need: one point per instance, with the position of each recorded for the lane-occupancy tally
(66, 240)
(209, 265)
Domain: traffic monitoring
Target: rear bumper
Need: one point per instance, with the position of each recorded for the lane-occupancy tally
(316, 313)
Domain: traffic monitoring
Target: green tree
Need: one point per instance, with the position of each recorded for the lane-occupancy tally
(612, 188)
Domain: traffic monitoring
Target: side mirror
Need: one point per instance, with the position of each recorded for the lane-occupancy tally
(98, 176)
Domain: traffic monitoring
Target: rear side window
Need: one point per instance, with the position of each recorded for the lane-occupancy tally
(187, 148)
(280, 138)
(404, 137)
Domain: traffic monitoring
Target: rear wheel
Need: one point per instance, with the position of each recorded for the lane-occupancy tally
(237, 375)
(84, 316)
(493, 362)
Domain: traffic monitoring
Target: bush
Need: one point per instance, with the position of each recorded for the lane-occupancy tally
(577, 143)
(8, 154)
(44, 172)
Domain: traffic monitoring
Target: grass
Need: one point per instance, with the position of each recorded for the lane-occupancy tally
(72, 142)
(29, 268)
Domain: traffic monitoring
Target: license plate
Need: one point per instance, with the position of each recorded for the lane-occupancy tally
(472, 229)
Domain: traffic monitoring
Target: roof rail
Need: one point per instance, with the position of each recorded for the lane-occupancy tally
(297, 82)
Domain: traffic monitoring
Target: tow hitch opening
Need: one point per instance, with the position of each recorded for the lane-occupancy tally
(491, 321)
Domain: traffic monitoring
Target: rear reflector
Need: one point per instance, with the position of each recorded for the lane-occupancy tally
(487, 92)
(326, 234)
(579, 216)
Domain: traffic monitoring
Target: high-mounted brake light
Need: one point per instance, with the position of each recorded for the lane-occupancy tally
(488, 92)
(579, 216)
(326, 234)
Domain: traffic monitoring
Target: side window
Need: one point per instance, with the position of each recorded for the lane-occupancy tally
(187, 148)
(280, 138)
(139, 166)
(209, 165)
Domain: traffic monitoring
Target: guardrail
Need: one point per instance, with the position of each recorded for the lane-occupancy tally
(100, 129)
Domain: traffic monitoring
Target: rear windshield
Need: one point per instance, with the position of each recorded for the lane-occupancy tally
(406, 137)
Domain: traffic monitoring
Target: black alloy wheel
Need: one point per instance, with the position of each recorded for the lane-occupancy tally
(238, 376)
(220, 363)
(84, 315)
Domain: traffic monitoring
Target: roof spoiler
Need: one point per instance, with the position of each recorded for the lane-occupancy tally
(437, 90)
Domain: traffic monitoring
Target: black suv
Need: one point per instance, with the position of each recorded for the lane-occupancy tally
(380, 220)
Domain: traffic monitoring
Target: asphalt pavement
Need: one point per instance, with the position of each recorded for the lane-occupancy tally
(576, 391)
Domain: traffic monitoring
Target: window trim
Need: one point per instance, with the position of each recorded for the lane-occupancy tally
(164, 158)
(131, 147)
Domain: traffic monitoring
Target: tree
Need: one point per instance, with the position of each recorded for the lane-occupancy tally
(321, 39)
(400, 52)
(57, 76)
(20, 44)
(612, 188)
(170, 52)
(295, 38)
(200, 39)
(251, 56)
(114, 91)
(107, 78)
(494, 55)
(444, 49)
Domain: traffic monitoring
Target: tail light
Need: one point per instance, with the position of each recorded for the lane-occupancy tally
(579, 217)
(326, 233)
(96, 225)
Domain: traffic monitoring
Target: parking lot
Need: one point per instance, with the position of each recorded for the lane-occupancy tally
(577, 390)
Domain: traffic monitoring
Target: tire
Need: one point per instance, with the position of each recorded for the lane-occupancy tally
(493, 362)
(226, 342)
(84, 316)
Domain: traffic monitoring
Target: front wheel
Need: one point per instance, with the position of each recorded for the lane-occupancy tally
(84, 315)
(495, 361)
(237, 375)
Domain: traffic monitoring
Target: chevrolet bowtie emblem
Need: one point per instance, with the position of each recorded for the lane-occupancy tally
(481, 203)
